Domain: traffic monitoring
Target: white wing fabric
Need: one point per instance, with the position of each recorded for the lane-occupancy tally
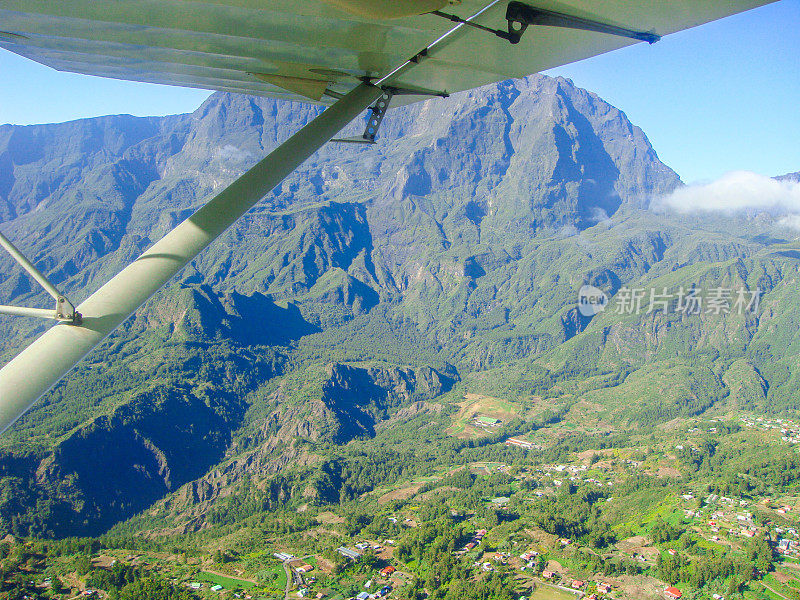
(295, 49)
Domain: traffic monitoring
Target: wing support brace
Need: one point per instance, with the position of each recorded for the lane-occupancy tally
(42, 364)
(379, 111)
(64, 310)
(520, 15)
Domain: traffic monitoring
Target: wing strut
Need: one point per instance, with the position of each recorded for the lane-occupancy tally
(520, 16)
(64, 310)
(42, 364)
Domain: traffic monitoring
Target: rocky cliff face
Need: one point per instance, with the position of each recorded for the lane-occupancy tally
(343, 403)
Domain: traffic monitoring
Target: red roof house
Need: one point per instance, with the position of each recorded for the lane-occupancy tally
(673, 593)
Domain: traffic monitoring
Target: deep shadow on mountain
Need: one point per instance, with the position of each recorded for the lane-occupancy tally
(260, 321)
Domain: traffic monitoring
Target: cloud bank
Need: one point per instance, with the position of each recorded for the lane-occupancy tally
(736, 191)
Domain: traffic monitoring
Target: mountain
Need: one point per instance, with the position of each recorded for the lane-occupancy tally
(793, 177)
(451, 181)
(360, 301)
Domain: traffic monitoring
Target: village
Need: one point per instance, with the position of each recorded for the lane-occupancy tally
(789, 430)
(542, 569)
(684, 520)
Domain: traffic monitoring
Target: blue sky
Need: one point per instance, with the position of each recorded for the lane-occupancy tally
(717, 98)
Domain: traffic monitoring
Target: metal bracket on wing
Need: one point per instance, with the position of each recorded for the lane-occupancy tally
(64, 310)
(520, 15)
(379, 111)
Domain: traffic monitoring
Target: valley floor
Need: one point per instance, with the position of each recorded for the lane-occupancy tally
(544, 517)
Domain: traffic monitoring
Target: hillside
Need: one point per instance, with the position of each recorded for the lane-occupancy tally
(356, 307)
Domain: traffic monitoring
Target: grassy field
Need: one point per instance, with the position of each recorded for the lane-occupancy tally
(544, 592)
(229, 583)
(781, 583)
(475, 405)
(279, 582)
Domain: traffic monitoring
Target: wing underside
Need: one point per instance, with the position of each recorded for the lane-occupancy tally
(295, 49)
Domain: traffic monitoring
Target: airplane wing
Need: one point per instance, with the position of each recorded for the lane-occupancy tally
(295, 49)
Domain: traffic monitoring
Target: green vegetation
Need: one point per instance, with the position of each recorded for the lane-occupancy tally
(600, 507)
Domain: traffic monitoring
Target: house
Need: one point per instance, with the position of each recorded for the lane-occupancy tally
(604, 588)
(548, 574)
(487, 421)
(673, 593)
(284, 556)
(519, 443)
(304, 568)
(351, 554)
(217, 588)
(363, 596)
(577, 584)
(386, 572)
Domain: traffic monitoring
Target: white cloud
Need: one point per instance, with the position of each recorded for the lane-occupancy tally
(738, 190)
(567, 231)
(232, 154)
(791, 221)
(599, 216)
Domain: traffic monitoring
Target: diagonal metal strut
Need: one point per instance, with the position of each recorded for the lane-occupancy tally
(64, 310)
(42, 364)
